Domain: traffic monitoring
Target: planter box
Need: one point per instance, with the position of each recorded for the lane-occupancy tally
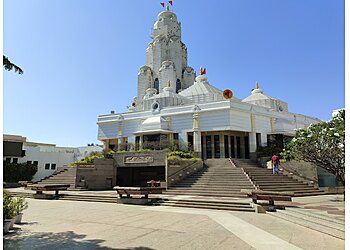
(18, 218)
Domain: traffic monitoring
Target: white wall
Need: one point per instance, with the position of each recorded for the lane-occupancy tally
(61, 156)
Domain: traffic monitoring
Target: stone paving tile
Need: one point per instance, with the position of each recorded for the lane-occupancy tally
(88, 225)
(320, 207)
(337, 212)
(297, 235)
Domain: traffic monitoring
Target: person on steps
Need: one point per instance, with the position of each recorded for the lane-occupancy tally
(275, 164)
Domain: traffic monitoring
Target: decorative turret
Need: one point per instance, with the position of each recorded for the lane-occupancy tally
(166, 59)
(257, 90)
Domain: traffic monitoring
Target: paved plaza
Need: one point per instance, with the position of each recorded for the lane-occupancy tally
(59, 224)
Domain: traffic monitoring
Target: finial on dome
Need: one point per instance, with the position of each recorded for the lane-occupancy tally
(256, 85)
(202, 71)
(167, 8)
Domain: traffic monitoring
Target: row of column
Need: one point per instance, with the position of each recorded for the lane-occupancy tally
(253, 140)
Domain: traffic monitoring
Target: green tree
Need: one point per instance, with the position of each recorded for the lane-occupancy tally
(8, 65)
(322, 144)
(14, 172)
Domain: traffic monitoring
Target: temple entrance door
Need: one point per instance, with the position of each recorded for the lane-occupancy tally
(227, 155)
(216, 146)
(238, 142)
(232, 139)
(208, 147)
(246, 147)
(190, 142)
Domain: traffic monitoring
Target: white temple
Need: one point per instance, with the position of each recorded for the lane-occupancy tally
(172, 104)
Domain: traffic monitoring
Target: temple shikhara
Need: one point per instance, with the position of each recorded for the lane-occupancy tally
(175, 106)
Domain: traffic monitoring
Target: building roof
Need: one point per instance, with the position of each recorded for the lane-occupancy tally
(201, 91)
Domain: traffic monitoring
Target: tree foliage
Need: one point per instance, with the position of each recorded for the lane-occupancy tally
(8, 65)
(14, 172)
(322, 144)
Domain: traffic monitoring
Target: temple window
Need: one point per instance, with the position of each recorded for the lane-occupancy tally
(156, 85)
(178, 85)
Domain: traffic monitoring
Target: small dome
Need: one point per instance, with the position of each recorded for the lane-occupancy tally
(167, 14)
(201, 78)
(255, 91)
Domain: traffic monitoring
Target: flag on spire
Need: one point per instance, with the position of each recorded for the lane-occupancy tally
(162, 4)
(171, 3)
(202, 71)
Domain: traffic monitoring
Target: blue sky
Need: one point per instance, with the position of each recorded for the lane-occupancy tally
(80, 58)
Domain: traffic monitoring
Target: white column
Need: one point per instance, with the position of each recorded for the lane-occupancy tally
(141, 142)
(120, 142)
(263, 139)
(222, 145)
(106, 144)
(196, 134)
(252, 145)
(197, 141)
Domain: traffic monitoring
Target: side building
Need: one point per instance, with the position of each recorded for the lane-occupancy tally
(47, 157)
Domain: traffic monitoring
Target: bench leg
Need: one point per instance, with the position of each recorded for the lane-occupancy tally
(39, 192)
(271, 202)
(56, 194)
(255, 201)
(120, 196)
(146, 196)
(128, 196)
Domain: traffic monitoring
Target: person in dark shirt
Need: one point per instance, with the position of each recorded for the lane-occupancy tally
(275, 164)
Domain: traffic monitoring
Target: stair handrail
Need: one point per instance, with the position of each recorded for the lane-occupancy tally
(246, 174)
(232, 162)
(182, 169)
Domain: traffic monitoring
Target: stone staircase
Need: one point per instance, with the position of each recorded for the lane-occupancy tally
(63, 176)
(316, 221)
(218, 178)
(217, 186)
(218, 204)
(264, 179)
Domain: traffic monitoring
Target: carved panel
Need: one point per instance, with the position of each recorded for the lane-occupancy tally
(138, 159)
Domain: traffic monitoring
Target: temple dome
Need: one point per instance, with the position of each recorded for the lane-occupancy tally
(258, 97)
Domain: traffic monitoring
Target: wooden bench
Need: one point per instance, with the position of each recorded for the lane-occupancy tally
(145, 191)
(39, 188)
(270, 196)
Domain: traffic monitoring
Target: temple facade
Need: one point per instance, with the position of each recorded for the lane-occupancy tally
(175, 106)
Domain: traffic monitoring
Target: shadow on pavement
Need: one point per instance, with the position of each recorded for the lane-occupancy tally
(20, 239)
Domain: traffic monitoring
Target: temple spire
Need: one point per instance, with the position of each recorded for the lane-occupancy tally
(256, 85)
(167, 8)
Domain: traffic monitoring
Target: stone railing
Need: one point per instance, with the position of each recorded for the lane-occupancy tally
(184, 168)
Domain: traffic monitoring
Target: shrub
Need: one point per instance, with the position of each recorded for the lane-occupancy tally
(14, 172)
(20, 204)
(108, 153)
(174, 160)
(181, 154)
(268, 151)
(89, 159)
(8, 206)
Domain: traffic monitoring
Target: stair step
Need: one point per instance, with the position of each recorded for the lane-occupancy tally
(211, 203)
(232, 195)
(209, 207)
(312, 224)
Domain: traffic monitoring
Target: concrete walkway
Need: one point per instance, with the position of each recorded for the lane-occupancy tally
(59, 224)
